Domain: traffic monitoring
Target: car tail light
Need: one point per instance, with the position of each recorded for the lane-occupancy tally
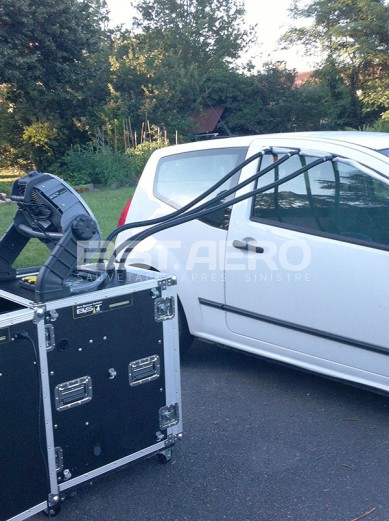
(123, 216)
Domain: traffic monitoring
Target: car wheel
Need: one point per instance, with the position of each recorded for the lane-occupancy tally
(184, 336)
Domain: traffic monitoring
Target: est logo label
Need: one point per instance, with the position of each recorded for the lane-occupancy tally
(85, 310)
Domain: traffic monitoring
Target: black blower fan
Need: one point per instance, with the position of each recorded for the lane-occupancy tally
(51, 211)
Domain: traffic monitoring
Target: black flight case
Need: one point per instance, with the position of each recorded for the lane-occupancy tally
(89, 356)
(88, 383)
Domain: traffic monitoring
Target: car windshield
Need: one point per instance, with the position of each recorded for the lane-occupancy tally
(384, 151)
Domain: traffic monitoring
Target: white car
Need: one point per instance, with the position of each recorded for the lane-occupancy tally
(297, 272)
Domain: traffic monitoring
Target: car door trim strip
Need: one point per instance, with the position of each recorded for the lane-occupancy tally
(295, 327)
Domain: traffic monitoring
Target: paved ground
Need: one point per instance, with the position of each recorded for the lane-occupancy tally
(262, 443)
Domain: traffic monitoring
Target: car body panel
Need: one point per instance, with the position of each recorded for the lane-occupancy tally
(328, 316)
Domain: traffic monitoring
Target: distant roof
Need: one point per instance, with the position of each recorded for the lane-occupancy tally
(208, 119)
(302, 77)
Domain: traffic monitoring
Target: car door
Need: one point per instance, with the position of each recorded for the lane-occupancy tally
(307, 262)
(194, 251)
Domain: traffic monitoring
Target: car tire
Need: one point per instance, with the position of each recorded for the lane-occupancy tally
(184, 335)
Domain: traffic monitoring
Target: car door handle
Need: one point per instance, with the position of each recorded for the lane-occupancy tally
(247, 246)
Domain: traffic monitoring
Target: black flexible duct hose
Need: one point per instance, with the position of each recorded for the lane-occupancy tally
(137, 238)
(192, 203)
(209, 204)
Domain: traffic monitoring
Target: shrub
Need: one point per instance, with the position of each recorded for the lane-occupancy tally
(382, 125)
(87, 165)
(140, 155)
(102, 165)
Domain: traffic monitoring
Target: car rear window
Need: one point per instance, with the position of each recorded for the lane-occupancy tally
(180, 178)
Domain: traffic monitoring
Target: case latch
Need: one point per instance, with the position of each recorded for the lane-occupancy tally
(169, 416)
(164, 308)
(50, 337)
(59, 459)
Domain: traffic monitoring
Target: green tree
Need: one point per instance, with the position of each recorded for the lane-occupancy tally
(352, 36)
(201, 30)
(267, 101)
(163, 67)
(145, 82)
(48, 63)
(255, 103)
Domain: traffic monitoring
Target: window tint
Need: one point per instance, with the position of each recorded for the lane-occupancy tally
(333, 198)
(182, 177)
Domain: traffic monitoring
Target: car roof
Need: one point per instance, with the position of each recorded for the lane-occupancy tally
(373, 140)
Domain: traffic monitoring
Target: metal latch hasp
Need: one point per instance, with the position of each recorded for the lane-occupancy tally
(50, 337)
(169, 415)
(164, 308)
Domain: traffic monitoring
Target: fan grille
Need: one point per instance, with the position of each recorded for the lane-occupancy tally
(38, 206)
(21, 189)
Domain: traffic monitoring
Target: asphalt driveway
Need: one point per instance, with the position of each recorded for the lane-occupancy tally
(262, 442)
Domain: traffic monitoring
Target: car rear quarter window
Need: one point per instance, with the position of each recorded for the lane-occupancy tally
(180, 178)
(334, 198)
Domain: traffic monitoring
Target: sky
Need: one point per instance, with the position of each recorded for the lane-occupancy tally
(271, 18)
(272, 21)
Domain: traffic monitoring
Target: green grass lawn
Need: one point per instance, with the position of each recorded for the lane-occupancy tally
(106, 205)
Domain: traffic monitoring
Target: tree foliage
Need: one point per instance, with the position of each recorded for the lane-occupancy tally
(65, 79)
(48, 42)
(198, 30)
(163, 68)
(147, 83)
(47, 53)
(352, 36)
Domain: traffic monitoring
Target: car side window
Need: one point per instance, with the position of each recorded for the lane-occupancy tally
(334, 198)
(180, 178)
